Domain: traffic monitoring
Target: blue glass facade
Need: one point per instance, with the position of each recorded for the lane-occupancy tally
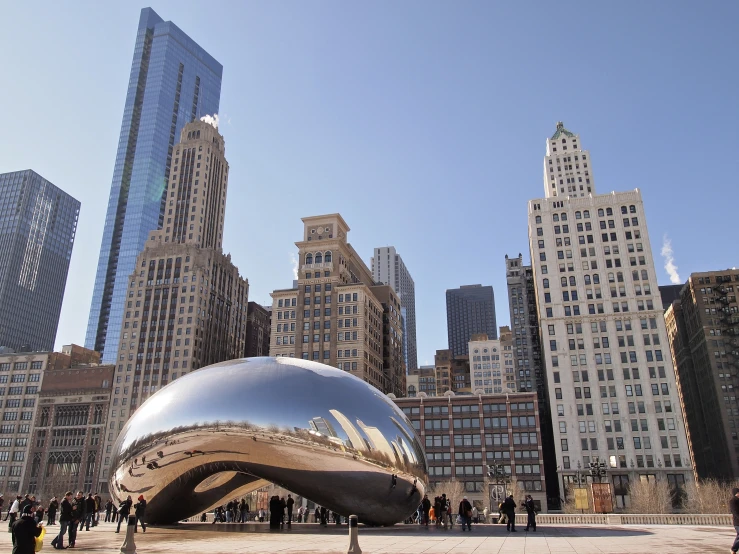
(173, 81)
(38, 222)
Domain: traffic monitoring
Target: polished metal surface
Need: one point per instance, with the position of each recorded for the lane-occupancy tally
(230, 428)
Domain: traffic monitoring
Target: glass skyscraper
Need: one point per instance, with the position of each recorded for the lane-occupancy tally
(173, 81)
(37, 226)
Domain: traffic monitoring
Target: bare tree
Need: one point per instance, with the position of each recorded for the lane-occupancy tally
(650, 497)
(707, 497)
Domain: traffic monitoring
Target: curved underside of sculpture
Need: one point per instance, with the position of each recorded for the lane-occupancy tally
(233, 427)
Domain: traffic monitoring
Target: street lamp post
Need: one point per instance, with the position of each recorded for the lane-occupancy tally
(497, 472)
(598, 469)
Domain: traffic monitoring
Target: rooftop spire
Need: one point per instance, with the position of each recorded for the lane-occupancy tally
(562, 131)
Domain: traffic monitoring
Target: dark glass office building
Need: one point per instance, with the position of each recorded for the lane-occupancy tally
(173, 81)
(37, 226)
(470, 310)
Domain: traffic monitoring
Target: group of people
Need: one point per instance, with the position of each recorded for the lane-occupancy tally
(281, 511)
(440, 513)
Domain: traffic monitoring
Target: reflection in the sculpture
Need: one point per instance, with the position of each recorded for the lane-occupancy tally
(231, 428)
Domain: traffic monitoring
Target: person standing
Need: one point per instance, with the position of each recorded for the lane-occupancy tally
(509, 509)
(98, 504)
(78, 518)
(25, 531)
(734, 509)
(289, 503)
(13, 511)
(65, 518)
(89, 511)
(243, 511)
(465, 512)
(108, 509)
(426, 503)
(530, 512)
(124, 509)
(51, 512)
(140, 511)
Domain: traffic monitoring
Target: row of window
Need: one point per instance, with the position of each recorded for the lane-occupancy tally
(20, 366)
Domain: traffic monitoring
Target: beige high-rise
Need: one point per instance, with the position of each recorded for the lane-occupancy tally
(186, 305)
(335, 315)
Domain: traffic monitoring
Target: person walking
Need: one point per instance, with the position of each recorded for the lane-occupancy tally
(123, 510)
(734, 509)
(25, 531)
(530, 507)
(51, 511)
(65, 518)
(465, 512)
(139, 512)
(509, 509)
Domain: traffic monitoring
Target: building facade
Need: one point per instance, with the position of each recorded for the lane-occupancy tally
(530, 373)
(186, 304)
(38, 222)
(421, 380)
(388, 268)
(334, 314)
(452, 372)
(470, 310)
(613, 392)
(492, 363)
(173, 81)
(703, 329)
(66, 450)
(464, 434)
(258, 327)
(21, 379)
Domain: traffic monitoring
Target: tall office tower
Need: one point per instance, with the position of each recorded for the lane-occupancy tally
(186, 304)
(492, 368)
(335, 314)
(173, 81)
(529, 362)
(470, 310)
(669, 293)
(37, 226)
(613, 392)
(258, 326)
(388, 268)
(703, 328)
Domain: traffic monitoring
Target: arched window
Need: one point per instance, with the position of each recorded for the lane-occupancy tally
(586, 214)
(611, 278)
(572, 281)
(609, 211)
(632, 209)
(563, 281)
(319, 258)
(412, 391)
(538, 219)
(564, 217)
(644, 275)
(587, 279)
(620, 277)
(555, 217)
(596, 278)
(546, 283)
(308, 259)
(600, 212)
(624, 210)
(578, 215)
(635, 275)
(327, 257)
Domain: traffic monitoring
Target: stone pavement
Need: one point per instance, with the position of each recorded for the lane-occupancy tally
(493, 539)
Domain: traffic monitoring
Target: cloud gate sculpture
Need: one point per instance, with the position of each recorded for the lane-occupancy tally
(233, 427)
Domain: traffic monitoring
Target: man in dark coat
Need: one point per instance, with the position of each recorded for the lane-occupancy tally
(289, 503)
(531, 513)
(465, 512)
(275, 509)
(140, 511)
(78, 517)
(426, 503)
(89, 511)
(108, 509)
(51, 512)
(509, 509)
(65, 519)
(123, 510)
(25, 530)
(734, 508)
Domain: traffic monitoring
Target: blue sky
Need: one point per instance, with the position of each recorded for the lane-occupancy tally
(422, 123)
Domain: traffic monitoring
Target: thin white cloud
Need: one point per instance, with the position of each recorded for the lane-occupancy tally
(295, 264)
(670, 266)
(211, 119)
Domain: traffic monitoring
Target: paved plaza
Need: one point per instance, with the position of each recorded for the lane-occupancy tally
(227, 539)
